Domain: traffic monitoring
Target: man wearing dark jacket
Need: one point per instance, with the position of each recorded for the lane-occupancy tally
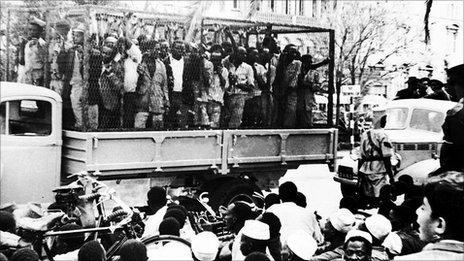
(71, 65)
(411, 92)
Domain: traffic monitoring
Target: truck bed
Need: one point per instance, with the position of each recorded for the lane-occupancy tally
(158, 153)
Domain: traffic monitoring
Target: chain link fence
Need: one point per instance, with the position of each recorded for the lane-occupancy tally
(115, 71)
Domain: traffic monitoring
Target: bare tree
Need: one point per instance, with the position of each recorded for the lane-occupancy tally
(367, 33)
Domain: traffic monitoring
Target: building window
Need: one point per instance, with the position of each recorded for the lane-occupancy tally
(301, 7)
(287, 9)
(272, 5)
(235, 4)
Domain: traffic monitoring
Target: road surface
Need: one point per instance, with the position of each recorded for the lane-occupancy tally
(316, 183)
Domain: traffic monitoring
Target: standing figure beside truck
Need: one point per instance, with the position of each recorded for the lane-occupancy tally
(375, 168)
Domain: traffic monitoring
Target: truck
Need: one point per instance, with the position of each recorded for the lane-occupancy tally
(414, 128)
(38, 155)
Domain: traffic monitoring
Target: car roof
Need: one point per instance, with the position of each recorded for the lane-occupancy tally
(430, 104)
(13, 89)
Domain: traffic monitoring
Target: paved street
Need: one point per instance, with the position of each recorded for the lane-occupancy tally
(316, 182)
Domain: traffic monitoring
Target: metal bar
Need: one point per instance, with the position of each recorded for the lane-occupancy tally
(151, 164)
(8, 40)
(331, 77)
(73, 158)
(76, 231)
(46, 67)
(73, 147)
(252, 160)
(151, 134)
(86, 67)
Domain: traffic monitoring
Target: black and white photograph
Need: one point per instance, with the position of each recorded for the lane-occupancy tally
(231, 130)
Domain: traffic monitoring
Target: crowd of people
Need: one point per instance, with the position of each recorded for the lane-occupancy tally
(411, 223)
(162, 84)
(428, 88)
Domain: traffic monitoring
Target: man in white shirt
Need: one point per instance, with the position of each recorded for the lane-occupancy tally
(157, 204)
(293, 217)
(175, 65)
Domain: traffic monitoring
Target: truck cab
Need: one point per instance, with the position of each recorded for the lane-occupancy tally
(30, 124)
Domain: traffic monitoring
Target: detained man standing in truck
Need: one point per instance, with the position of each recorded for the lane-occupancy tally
(220, 82)
(152, 90)
(241, 83)
(175, 66)
(375, 168)
(111, 88)
(34, 54)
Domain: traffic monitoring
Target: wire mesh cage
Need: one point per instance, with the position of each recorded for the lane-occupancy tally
(119, 70)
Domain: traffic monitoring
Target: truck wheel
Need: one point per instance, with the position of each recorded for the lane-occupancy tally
(348, 190)
(234, 190)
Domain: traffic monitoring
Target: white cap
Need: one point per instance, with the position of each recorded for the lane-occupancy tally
(393, 243)
(205, 246)
(111, 39)
(79, 28)
(342, 220)
(302, 244)
(358, 233)
(37, 21)
(256, 230)
(378, 225)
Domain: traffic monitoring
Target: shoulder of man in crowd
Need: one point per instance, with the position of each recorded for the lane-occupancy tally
(456, 109)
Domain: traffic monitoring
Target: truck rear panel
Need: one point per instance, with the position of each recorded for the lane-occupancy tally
(158, 153)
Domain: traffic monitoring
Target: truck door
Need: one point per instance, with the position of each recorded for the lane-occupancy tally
(30, 149)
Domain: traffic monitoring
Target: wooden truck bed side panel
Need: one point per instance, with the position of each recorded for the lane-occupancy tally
(148, 152)
(253, 146)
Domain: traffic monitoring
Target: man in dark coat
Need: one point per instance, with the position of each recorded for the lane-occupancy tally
(411, 92)
(440, 91)
(452, 149)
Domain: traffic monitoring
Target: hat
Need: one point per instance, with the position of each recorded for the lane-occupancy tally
(37, 21)
(302, 244)
(358, 233)
(342, 220)
(378, 225)
(393, 243)
(205, 246)
(62, 27)
(455, 72)
(111, 39)
(79, 28)
(256, 230)
(412, 79)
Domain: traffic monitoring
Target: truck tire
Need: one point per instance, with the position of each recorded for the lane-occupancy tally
(348, 190)
(234, 190)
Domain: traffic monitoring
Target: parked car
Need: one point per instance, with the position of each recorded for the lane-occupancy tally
(414, 128)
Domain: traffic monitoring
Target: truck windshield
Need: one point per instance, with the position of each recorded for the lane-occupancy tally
(427, 120)
(396, 118)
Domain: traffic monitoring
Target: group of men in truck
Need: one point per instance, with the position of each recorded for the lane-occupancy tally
(146, 83)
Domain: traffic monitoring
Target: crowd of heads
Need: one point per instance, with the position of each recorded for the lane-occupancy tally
(428, 214)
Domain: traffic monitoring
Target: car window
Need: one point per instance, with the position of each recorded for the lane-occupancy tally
(396, 118)
(27, 118)
(427, 120)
